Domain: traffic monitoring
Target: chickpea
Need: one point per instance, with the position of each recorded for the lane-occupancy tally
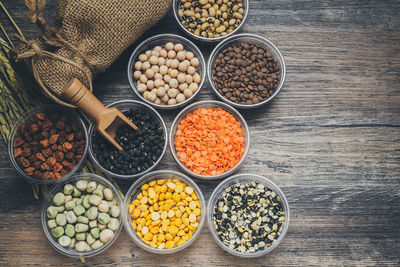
(188, 78)
(161, 61)
(172, 93)
(182, 66)
(138, 65)
(143, 57)
(155, 68)
(153, 60)
(143, 78)
(167, 78)
(191, 70)
(158, 76)
(195, 62)
(164, 53)
(145, 66)
(158, 83)
(163, 69)
(161, 91)
(167, 87)
(180, 98)
(174, 73)
(150, 84)
(158, 101)
(169, 46)
(189, 55)
(181, 56)
(196, 78)
(171, 54)
(141, 87)
(187, 93)
(157, 48)
(168, 63)
(183, 86)
(151, 97)
(178, 47)
(137, 74)
(181, 78)
(172, 102)
(173, 83)
(165, 99)
(148, 53)
(149, 73)
(174, 63)
(155, 53)
(193, 87)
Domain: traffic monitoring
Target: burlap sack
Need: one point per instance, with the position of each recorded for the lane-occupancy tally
(89, 35)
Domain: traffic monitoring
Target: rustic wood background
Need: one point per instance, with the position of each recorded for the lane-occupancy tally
(331, 140)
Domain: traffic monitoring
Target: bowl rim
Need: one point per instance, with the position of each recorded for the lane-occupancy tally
(266, 43)
(29, 115)
(173, 38)
(258, 179)
(156, 175)
(207, 39)
(227, 108)
(55, 189)
(128, 176)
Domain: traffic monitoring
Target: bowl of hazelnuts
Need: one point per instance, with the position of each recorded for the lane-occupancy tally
(167, 71)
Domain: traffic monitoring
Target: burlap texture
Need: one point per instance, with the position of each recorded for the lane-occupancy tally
(88, 37)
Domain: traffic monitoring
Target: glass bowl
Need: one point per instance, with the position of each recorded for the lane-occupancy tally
(246, 178)
(175, 7)
(28, 116)
(70, 252)
(161, 40)
(208, 104)
(136, 189)
(125, 105)
(252, 38)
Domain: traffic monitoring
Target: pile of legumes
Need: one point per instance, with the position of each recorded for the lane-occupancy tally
(246, 73)
(49, 146)
(209, 141)
(142, 147)
(211, 18)
(83, 216)
(166, 213)
(248, 217)
(167, 75)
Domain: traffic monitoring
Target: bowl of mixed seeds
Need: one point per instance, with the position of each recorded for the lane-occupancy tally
(210, 20)
(248, 215)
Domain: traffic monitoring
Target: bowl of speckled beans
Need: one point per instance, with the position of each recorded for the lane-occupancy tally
(248, 215)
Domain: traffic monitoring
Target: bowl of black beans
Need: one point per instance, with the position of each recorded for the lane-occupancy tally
(143, 148)
(246, 71)
(248, 215)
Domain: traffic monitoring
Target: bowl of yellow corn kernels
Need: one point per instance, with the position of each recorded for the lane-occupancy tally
(164, 211)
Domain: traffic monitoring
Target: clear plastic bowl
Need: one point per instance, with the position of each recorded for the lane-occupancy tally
(161, 40)
(125, 105)
(175, 8)
(70, 252)
(252, 38)
(136, 189)
(246, 178)
(28, 116)
(208, 104)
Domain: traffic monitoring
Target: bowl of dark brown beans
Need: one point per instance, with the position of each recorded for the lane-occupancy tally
(246, 71)
(248, 215)
(143, 148)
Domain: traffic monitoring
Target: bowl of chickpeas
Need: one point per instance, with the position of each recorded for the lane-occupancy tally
(167, 71)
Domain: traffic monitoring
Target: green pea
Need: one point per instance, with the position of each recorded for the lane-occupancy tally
(92, 213)
(64, 241)
(95, 232)
(103, 218)
(81, 185)
(94, 200)
(61, 220)
(70, 230)
(52, 224)
(57, 232)
(59, 199)
(115, 211)
(68, 189)
(80, 236)
(79, 210)
(52, 212)
(71, 217)
(90, 239)
(80, 227)
(83, 219)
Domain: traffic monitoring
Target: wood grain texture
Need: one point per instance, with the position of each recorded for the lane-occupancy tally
(330, 140)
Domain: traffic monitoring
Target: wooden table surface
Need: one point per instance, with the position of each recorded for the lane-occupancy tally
(330, 140)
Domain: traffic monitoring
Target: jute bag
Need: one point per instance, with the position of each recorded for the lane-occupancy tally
(89, 35)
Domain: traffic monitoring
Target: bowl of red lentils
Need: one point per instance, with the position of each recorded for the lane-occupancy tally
(209, 140)
(48, 144)
(209, 20)
(164, 212)
(167, 71)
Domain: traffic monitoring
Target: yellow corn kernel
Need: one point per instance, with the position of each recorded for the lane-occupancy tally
(176, 239)
(161, 197)
(181, 233)
(145, 187)
(133, 225)
(164, 188)
(183, 195)
(198, 204)
(148, 236)
(178, 222)
(169, 237)
(152, 183)
(178, 189)
(185, 237)
(131, 208)
(171, 213)
(164, 228)
(168, 195)
(185, 215)
(193, 195)
(180, 242)
(153, 245)
(189, 190)
(155, 199)
(169, 244)
(136, 202)
(139, 235)
(135, 213)
(192, 205)
(176, 197)
(161, 237)
(145, 194)
(163, 214)
(143, 207)
(155, 223)
(161, 182)
(196, 211)
(172, 230)
(188, 199)
(178, 214)
(165, 222)
(139, 228)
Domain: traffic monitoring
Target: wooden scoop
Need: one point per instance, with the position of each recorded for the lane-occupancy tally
(107, 119)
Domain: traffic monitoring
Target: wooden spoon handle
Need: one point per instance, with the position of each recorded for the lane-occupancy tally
(79, 95)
